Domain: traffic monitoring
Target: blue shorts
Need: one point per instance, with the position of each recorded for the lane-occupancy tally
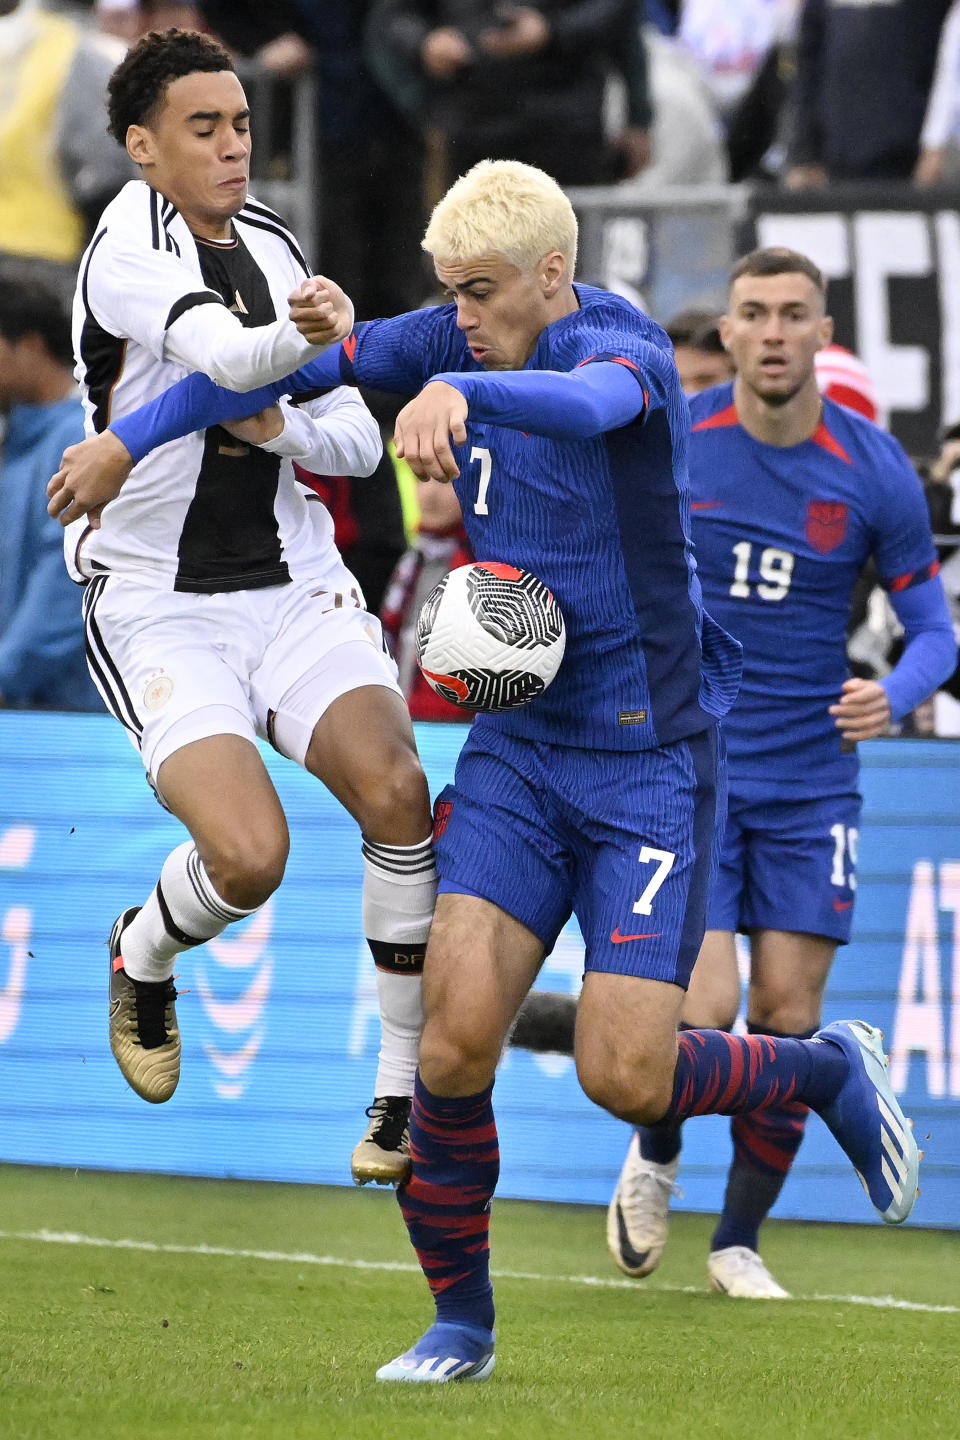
(624, 840)
(787, 864)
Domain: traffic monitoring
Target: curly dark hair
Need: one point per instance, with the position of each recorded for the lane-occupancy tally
(137, 86)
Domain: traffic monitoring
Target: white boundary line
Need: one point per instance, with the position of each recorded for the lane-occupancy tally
(305, 1257)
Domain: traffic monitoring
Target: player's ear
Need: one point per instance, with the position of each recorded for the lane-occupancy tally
(553, 273)
(139, 144)
(723, 330)
(826, 331)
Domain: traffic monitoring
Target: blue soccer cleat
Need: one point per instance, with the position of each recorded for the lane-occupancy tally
(445, 1352)
(869, 1124)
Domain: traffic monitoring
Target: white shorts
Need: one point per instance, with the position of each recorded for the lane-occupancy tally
(174, 668)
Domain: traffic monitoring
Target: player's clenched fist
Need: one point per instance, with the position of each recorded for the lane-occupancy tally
(425, 428)
(863, 710)
(90, 475)
(321, 311)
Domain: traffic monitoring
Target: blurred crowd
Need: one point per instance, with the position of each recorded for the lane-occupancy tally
(407, 94)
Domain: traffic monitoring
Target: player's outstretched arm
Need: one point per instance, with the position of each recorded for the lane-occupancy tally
(332, 434)
(562, 405)
(92, 473)
(210, 339)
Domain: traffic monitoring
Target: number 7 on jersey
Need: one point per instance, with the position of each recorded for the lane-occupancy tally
(486, 468)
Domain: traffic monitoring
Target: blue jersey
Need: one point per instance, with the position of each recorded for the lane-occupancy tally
(781, 536)
(604, 522)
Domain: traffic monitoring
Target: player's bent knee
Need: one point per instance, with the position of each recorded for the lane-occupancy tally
(639, 1093)
(456, 1064)
(396, 798)
(246, 875)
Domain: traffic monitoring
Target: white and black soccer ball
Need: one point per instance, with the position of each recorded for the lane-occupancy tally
(489, 636)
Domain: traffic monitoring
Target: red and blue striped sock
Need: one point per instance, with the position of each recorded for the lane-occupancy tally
(661, 1143)
(765, 1143)
(721, 1074)
(446, 1204)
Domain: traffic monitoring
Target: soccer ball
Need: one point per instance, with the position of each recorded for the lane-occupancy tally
(490, 637)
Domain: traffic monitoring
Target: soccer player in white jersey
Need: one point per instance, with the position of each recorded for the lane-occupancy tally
(217, 606)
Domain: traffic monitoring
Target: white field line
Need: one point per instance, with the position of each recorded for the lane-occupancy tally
(305, 1257)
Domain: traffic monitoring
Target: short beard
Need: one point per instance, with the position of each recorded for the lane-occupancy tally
(782, 397)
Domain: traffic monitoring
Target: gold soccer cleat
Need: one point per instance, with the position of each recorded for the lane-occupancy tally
(383, 1155)
(144, 1036)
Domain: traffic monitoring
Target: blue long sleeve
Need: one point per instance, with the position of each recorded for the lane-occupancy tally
(587, 401)
(930, 650)
(561, 405)
(196, 403)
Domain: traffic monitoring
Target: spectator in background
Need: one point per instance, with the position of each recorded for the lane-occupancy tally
(440, 545)
(522, 81)
(738, 54)
(42, 660)
(942, 489)
(864, 73)
(58, 166)
(127, 20)
(371, 214)
(941, 123)
(698, 350)
(686, 139)
(842, 377)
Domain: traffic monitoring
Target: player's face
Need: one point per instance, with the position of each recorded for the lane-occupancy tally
(774, 328)
(500, 309)
(699, 369)
(196, 151)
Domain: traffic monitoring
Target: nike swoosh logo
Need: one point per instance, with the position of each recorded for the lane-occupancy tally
(618, 939)
(842, 904)
(705, 504)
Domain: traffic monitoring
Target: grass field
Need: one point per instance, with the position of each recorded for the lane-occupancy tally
(250, 1310)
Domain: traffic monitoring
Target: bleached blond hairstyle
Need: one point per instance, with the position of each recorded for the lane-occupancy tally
(503, 207)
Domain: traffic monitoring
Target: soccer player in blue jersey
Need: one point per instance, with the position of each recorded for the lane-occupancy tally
(790, 497)
(556, 411)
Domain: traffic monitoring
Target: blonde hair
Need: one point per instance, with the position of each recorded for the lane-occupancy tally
(506, 208)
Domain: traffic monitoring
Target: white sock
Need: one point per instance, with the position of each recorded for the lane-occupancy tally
(183, 911)
(399, 891)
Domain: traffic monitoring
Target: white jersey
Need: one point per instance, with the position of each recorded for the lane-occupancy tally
(204, 513)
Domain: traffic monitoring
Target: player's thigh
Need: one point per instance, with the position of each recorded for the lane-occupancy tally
(363, 749)
(645, 850)
(713, 996)
(498, 835)
(326, 696)
(801, 865)
(626, 1043)
(788, 975)
(480, 963)
(172, 667)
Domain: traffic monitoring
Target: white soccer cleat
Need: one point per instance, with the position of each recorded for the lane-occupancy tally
(446, 1352)
(740, 1272)
(637, 1220)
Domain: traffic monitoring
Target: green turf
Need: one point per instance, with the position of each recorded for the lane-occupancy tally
(111, 1343)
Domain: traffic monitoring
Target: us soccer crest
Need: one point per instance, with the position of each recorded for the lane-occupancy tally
(826, 524)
